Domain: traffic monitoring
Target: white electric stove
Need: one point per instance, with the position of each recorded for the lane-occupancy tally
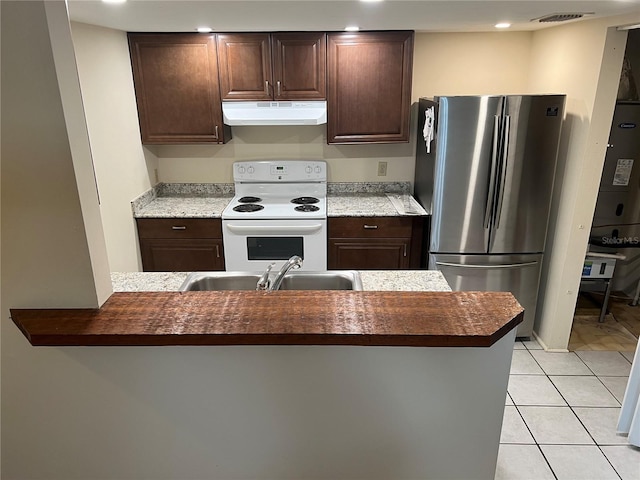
(279, 210)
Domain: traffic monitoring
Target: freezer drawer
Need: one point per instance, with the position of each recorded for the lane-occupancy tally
(518, 274)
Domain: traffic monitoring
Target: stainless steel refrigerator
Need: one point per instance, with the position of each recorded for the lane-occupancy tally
(488, 179)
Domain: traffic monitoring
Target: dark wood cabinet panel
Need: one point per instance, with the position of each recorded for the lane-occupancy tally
(374, 243)
(368, 254)
(187, 255)
(369, 86)
(176, 84)
(180, 244)
(245, 66)
(282, 66)
(299, 66)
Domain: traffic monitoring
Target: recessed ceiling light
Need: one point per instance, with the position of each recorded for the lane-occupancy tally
(351, 28)
(114, 1)
(371, 1)
(502, 25)
(204, 29)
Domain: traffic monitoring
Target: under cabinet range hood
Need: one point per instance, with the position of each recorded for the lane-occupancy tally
(275, 113)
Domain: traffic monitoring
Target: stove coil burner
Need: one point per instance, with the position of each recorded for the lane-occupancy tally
(247, 208)
(249, 200)
(306, 208)
(305, 201)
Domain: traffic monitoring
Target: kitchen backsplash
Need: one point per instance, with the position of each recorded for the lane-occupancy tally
(194, 189)
(368, 187)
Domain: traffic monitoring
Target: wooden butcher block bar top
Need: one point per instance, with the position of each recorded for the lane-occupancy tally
(373, 318)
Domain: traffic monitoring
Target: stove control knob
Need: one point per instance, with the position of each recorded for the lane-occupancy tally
(318, 169)
(308, 169)
(241, 169)
(250, 170)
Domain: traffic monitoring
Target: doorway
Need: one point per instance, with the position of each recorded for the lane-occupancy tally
(607, 314)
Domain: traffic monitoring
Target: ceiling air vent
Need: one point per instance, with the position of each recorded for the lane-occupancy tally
(560, 17)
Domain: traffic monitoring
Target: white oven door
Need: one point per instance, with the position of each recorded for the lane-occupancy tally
(252, 245)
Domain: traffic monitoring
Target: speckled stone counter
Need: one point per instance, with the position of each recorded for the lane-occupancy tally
(184, 207)
(363, 205)
(192, 200)
(372, 280)
(183, 200)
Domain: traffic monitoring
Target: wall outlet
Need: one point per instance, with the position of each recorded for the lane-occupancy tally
(155, 174)
(382, 169)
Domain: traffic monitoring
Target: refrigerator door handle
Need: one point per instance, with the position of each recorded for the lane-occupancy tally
(503, 173)
(492, 178)
(511, 265)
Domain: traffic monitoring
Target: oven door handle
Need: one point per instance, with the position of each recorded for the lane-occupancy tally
(273, 230)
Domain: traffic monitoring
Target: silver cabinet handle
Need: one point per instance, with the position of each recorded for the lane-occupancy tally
(218, 251)
(178, 227)
(279, 88)
(266, 87)
(370, 227)
(217, 132)
(405, 249)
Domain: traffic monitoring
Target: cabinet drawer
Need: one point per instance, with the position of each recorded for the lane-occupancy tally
(179, 228)
(366, 227)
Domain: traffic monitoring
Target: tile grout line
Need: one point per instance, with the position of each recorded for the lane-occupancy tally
(572, 411)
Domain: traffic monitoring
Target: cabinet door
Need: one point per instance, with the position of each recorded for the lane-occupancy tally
(176, 83)
(184, 255)
(245, 66)
(368, 254)
(369, 87)
(299, 65)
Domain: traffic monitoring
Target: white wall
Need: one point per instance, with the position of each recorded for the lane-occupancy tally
(46, 255)
(122, 171)
(46, 249)
(471, 63)
(346, 163)
(583, 60)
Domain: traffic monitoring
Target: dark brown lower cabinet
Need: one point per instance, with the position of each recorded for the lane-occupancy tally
(180, 245)
(374, 243)
(368, 254)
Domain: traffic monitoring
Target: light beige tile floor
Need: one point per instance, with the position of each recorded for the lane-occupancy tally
(561, 423)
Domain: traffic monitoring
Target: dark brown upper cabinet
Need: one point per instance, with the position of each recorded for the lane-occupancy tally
(177, 91)
(369, 86)
(277, 66)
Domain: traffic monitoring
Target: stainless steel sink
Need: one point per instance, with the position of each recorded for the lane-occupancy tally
(329, 280)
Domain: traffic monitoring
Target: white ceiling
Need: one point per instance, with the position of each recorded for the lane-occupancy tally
(290, 15)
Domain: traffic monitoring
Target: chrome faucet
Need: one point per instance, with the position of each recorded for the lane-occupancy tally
(293, 262)
(263, 282)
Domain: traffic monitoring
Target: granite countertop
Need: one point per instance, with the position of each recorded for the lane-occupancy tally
(372, 280)
(184, 207)
(209, 200)
(367, 205)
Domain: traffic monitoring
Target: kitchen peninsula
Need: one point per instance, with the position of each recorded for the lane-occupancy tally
(402, 380)
(323, 384)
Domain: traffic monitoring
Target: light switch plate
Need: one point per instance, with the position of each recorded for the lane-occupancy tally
(382, 169)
